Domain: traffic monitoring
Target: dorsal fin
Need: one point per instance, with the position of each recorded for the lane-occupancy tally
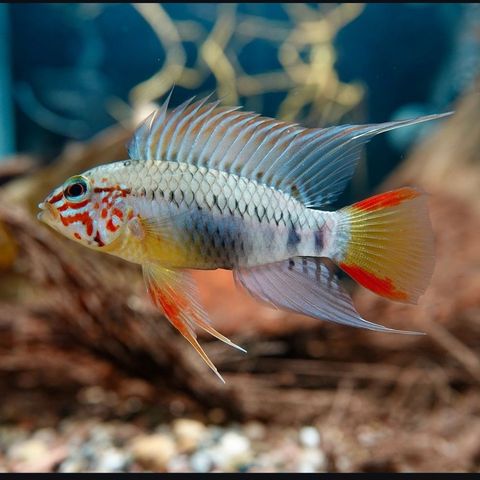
(313, 165)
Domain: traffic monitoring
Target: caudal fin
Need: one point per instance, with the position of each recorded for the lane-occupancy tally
(386, 244)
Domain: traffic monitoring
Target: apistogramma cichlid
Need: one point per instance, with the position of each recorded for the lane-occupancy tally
(211, 187)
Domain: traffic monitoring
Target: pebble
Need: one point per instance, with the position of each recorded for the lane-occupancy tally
(312, 460)
(112, 460)
(184, 445)
(309, 437)
(178, 464)
(254, 430)
(72, 465)
(29, 451)
(153, 451)
(233, 451)
(189, 433)
(44, 435)
(101, 434)
(201, 462)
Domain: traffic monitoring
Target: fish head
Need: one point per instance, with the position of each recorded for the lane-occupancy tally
(86, 210)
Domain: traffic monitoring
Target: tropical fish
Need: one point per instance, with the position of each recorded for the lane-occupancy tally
(208, 186)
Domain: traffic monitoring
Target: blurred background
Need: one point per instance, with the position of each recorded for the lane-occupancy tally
(92, 378)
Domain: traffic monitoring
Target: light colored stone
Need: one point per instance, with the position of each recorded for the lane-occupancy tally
(189, 433)
(312, 460)
(232, 451)
(201, 462)
(70, 465)
(29, 451)
(309, 437)
(112, 460)
(179, 464)
(254, 430)
(153, 451)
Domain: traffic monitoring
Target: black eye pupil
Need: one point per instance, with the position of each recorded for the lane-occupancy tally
(76, 190)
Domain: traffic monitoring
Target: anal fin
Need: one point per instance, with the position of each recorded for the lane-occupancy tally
(305, 285)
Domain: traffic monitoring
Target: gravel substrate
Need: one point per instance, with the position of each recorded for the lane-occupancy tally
(185, 445)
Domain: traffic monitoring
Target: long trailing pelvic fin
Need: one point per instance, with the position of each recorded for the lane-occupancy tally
(174, 293)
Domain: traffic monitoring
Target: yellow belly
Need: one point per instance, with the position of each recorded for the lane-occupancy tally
(153, 248)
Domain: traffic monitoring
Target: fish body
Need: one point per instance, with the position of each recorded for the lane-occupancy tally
(215, 219)
(210, 187)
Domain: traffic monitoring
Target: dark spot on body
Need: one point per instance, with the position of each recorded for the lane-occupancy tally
(318, 235)
(293, 239)
(127, 163)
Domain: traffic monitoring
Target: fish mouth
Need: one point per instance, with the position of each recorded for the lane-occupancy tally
(47, 213)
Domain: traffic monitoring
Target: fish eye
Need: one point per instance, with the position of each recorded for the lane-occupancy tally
(76, 189)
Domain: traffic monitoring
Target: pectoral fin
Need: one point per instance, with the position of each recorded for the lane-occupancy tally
(161, 238)
(174, 293)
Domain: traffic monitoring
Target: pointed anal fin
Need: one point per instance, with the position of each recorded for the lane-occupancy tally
(307, 286)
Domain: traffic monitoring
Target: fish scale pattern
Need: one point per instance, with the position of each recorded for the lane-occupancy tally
(223, 220)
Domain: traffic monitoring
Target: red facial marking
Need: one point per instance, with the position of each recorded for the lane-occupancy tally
(72, 205)
(102, 189)
(123, 191)
(111, 226)
(56, 198)
(77, 236)
(77, 205)
(381, 286)
(388, 199)
(104, 213)
(83, 217)
(118, 213)
(89, 227)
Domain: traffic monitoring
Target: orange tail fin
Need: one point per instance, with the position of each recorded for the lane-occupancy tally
(386, 244)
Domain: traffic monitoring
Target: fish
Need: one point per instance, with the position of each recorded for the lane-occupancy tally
(209, 186)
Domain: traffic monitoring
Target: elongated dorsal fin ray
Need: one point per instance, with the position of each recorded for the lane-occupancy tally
(305, 285)
(313, 165)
